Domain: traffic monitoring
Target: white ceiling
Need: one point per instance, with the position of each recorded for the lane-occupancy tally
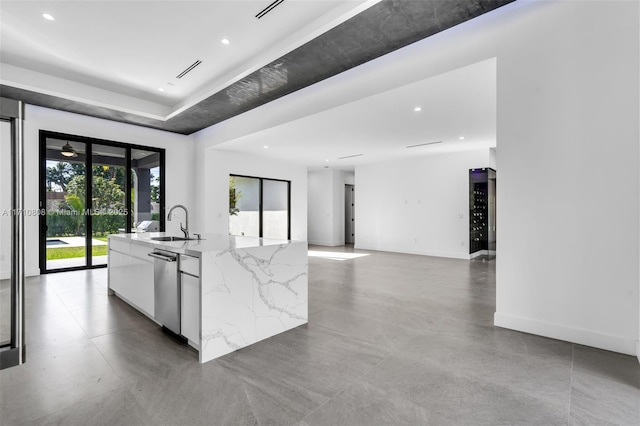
(460, 103)
(119, 53)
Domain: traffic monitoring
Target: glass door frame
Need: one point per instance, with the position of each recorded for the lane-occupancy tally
(13, 353)
(89, 142)
(260, 201)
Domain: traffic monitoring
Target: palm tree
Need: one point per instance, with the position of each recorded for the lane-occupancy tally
(77, 205)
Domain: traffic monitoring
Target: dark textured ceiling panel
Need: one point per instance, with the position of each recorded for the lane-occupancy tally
(383, 28)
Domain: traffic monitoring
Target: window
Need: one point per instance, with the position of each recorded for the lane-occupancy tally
(259, 207)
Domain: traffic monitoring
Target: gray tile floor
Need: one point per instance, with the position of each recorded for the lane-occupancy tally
(392, 339)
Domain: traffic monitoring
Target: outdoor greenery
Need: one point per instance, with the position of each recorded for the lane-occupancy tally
(155, 189)
(67, 213)
(65, 225)
(67, 216)
(107, 201)
(56, 253)
(234, 196)
(58, 176)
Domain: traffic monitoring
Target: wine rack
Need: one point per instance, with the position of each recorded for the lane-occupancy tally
(482, 202)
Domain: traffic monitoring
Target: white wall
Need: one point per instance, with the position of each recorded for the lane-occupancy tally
(418, 206)
(492, 158)
(326, 206)
(179, 154)
(320, 201)
(569, 190)
(568, 205)
(213, 189)
(567, 74)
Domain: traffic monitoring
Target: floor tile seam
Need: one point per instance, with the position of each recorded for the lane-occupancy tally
(349, 385)
(481, 382)
(601, 421)
(248, 380)
(76, 403)
(573, 356)
(91, 339)
(371, 320)
(352, 338)
(82, 400)
(509, 354)
(378, 320)
(67, 307)
(451, 334)
(610, 380)
(80, 325)
(68, 311)
(475, 377)
(249, 400)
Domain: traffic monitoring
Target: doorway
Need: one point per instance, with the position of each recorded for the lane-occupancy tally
(349, 214)
(90, 188)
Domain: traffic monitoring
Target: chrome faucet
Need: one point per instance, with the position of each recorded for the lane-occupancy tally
(185, 230)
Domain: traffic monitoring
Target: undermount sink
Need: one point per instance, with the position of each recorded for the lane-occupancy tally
(171, 239)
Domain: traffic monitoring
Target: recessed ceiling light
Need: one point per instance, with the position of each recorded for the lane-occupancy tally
(48, 17)
(160, 89)
(327, 160)
(266, 146)
(461, 137)
(417, 109)
(225, 41)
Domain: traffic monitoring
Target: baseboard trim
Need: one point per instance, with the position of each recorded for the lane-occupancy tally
(434, 253)
(580, 336)
(326, 243)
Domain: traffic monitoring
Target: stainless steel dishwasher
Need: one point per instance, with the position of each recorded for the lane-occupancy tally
(166, 282)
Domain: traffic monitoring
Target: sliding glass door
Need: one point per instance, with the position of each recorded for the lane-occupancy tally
(259, 207)
(65, 203)
(91, 188)
(108, 202)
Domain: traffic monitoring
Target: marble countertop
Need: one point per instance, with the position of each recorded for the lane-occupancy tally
(208, 243)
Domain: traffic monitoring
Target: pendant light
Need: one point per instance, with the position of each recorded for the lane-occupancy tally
(68, 151)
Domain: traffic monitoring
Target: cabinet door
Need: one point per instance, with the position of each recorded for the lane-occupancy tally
(132, 279)
(190, 312)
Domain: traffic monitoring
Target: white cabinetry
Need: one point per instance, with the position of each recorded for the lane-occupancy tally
(131, 275)
(190, 299)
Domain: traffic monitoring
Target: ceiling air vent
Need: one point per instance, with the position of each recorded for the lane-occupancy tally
(423, 144)
(350, 156)
(189, 69)
(269, 8)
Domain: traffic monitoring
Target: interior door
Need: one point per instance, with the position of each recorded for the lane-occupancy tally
(349, 214)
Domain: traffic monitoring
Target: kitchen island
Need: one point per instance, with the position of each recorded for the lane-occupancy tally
(234, 290)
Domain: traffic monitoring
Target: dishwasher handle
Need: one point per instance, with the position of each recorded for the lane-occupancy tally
(165, 257)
